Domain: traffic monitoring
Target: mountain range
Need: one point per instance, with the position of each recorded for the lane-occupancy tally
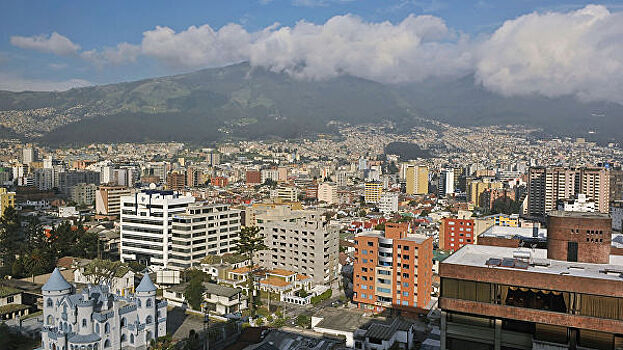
(244, 102)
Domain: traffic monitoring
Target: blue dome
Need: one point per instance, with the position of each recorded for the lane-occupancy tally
(56, 282)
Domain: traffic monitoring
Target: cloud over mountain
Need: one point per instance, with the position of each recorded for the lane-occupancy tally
(577, 53)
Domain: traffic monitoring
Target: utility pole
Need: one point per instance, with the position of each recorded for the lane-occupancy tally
(206, 326)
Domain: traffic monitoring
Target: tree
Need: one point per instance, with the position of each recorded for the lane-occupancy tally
(162, 343)
(11, 239)
(193, 293)
(303, 321)
(248, 245)
(103, 271)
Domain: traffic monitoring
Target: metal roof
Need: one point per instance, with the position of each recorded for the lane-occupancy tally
(56, 282)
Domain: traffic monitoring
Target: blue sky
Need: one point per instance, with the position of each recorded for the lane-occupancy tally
(95, 25)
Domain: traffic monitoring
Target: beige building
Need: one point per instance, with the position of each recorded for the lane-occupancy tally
(373, 192)
(108, 199)
(416, 177)
(83, 194)
(327, 192)
(7, 199)
(477, 187)
(300, 241)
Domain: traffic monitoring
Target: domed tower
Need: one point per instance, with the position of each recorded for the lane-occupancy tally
(146, 306)
(53, 291)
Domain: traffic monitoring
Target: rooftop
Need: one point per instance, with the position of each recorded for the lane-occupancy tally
(578, 214)
(281, 272)
(275, 281)
(512, 232)
(219, 290)
(478, 255)
(56, 282)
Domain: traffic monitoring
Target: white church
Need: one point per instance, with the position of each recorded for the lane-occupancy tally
(95, 319)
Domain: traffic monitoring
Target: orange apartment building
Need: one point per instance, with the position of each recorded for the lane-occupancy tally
(455, 233)
(393, 269)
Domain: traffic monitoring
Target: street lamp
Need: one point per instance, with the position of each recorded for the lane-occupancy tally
(206, 326)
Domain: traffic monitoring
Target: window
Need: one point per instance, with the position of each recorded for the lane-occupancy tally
(107, 343)
(363, 295)
(405, 302)
(97, 328)
(148, 304)
(365, 261)
(364, 252)
(107, 328)
(123, 338)
(49, 302)
(10, 299)
(405, 284)
(124, 322)
(370, 244)
(131, 338)
(405, 294)
(149, 319)
(84, 322)
(384, 290)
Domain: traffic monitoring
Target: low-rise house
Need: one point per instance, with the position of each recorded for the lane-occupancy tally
(11, 303)
(221, 300)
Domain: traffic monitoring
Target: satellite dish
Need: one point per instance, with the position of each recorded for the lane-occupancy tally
(152, 186)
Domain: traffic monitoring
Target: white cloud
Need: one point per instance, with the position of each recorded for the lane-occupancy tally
(578, 53)
(55, 43)
(14, 83)
(122, 53)
(554, 54)
(409, 50)
(318, 3)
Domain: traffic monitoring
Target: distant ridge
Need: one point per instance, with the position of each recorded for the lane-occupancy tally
(242, 102)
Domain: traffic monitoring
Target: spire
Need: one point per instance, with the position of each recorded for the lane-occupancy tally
(56, 282)
(146, 285)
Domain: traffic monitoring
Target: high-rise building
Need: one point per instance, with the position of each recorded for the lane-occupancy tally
(456, 233)
(201, 230)
(108, 199)
(388, 202)
(373, 191)
(327, 192)
(478, 187)
(7, 199)
(416, 177)
(83, 194)
(176, 181)
(269, 174)
(300, 241)
(68, 179)
(568, 296)
(146, 225)
(546, 186)
(29, 155)
(393, 269)
(445, 184)
(285, 193)
(616, 185)
(253, 177)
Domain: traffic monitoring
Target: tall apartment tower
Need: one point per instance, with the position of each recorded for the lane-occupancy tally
(146, 225)
(445, 185)
(548, 185)
(417, 179)
(300, 241)
(28, 154)
(108, 199)
(201, 230)
(373, 191)
(393, 269)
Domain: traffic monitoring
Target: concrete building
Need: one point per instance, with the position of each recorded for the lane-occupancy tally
(373, 191)
(580, 203)
(83, 194)
(546, 186)
(96, 319)
(300, 241)
(11, 304)
(201, 230)
(568, 296)
(327, 192)
(176, 180)
(416, 177)
(108, 199)
(29, 155)
(476, 188)
(220, 300)
(146, 225)
(69, 179)
(388, 203)
(285, 193)
(445, 184)
(616, 211)
(393, 269)
(7, 199)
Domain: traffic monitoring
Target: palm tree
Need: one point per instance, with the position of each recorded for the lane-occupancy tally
(248, 244)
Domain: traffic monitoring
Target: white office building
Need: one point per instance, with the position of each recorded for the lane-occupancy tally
(388, 203)
(146, 219)
(201, 230)
(94, 318)
(327, 192)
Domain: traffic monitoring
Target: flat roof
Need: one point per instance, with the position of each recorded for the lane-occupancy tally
(579, 214)
(511, 232)
(478, 255)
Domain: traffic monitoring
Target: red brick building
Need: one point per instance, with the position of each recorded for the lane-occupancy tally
(219, 181)
(253, 177)
(568, 296)
(455, 233)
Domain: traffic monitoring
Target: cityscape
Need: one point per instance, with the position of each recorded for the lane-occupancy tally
(352, 176)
